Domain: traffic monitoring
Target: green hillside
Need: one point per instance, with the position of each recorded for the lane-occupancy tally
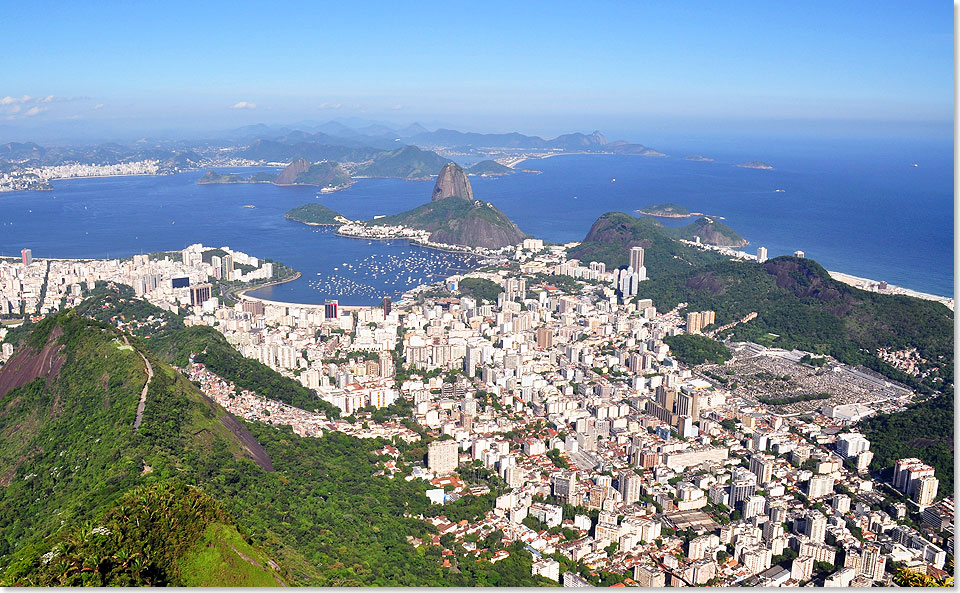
(314, 213)
(711, 232)
(325, 174)
(613, 234)
(69, 456)
(88, 500)
(163, 533)
(490, 168)
(173, 342)
(798, 301)
(406, 162)
(460, 222)
(213, 178)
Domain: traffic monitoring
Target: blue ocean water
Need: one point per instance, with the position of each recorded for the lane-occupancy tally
(859, 208)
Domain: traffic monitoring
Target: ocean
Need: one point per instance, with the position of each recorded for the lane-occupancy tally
(859, 208)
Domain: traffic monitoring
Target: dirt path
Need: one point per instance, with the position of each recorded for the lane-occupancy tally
(143, 394)
(258, 565)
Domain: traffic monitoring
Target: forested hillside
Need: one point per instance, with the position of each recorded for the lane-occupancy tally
(86, 499)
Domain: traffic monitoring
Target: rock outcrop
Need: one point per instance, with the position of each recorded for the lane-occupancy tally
(452, 182)
(454, 217)
(289, 175)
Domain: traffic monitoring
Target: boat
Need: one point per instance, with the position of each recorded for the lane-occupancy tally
(614, 180)
(249, 206)
(780, 191)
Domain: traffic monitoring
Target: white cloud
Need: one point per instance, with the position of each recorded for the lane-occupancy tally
(8, 100)
(331, 105)
(36, 109)
(244, 105)
(98, 106)
(397, 107)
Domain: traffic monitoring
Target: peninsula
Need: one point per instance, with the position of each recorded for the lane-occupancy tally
(327, 175)
(212, 177)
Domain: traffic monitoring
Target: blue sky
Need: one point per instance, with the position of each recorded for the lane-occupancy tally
(539, 67)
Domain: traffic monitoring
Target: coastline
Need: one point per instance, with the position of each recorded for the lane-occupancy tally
(336, 224)
(241, 294)
(873, 286)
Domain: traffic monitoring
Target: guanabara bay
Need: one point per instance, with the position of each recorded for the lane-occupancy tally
(427, 295)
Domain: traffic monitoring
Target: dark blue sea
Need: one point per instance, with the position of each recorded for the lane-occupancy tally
(862, 209)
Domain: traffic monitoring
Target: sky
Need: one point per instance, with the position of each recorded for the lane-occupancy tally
(536, 67)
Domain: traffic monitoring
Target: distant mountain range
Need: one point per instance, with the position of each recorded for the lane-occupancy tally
(326, 174)
(370, 150)
(31, 154)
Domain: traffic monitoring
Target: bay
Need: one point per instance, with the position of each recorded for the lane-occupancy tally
(859, 208)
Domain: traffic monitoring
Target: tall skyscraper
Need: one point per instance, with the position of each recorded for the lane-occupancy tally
(636, 258)
(761, 254)
(387, 305)
(443, 456)
(629, 483)
(226, 271)
(925, 491)
(819, 486)
(815, 526)
(27, 256)
(694, 322)
(200, 293)
(762, 466)
(545, 338)
(330, 309)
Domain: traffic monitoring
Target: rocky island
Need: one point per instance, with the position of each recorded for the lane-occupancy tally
(699, 158)
(490, 168)
(667, 211)
(316, 215)
(755, 165)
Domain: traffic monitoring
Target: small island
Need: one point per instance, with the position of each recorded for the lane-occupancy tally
(698, 158)
(316, 215)
(667, 211)
(755, 165)
(490, 169)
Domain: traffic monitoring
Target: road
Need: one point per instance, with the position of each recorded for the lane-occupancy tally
(143, 394)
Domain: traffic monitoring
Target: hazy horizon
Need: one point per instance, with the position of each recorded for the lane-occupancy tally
(116, 72)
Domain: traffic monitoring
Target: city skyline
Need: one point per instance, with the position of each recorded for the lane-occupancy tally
(477, 295)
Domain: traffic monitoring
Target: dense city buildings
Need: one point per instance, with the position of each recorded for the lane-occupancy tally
(599, 445)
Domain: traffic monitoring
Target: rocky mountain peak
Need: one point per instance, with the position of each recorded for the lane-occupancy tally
(452, 181)
(289, 174)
